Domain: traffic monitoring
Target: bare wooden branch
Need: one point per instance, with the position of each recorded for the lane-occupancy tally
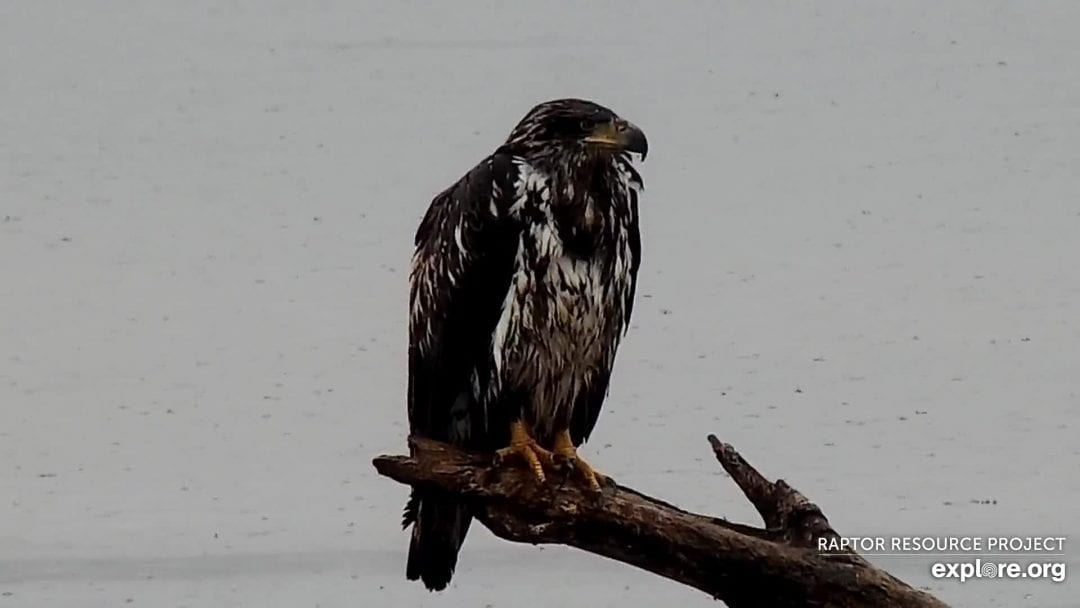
(744, 566)
(794, 519)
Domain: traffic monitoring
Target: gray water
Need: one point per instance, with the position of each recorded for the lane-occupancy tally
(860, 244)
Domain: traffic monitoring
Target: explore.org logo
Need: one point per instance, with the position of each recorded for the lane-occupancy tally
(977, 568)
(964, 558)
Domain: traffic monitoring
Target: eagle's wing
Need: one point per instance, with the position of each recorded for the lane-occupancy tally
(462, 268)
(591, 400)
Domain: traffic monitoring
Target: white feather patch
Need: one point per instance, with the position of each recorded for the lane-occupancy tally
(551, 349)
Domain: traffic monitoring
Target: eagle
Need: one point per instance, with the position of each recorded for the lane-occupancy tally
(521, 287)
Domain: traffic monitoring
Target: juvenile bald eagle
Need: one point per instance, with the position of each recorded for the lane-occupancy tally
(521, 287)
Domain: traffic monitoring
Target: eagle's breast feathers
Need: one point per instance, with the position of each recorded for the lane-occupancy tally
(568, 302)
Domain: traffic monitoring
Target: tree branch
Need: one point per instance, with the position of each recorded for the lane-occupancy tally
(744, 566)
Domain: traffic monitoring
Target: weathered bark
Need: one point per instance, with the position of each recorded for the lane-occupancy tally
(776, 566)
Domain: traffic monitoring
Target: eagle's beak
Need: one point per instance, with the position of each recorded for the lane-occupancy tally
(620, 134)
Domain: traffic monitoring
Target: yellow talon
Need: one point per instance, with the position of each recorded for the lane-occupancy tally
(524, 446)
(564, 447)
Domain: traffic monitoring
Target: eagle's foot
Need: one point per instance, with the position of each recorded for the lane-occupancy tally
(566, 454)
(523, 446)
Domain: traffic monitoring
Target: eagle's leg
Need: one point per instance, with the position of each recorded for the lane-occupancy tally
(522, 445)
(564, 447)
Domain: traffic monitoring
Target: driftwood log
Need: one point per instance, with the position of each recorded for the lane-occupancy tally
(746, 567)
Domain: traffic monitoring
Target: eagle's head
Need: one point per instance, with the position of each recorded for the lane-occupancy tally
(575, 125)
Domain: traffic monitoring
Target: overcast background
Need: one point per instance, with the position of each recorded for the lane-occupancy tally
(860, 268)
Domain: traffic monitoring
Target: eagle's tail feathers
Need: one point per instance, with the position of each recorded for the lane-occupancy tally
(439, 527)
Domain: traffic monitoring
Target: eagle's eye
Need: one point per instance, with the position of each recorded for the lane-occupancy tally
(586, 124)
